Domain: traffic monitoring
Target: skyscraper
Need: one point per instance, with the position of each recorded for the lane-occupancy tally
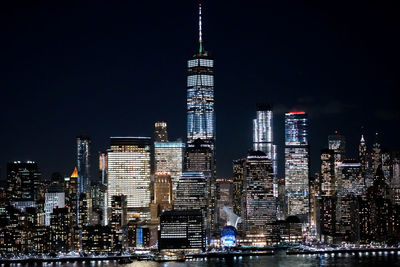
(83, 163)
(260, 204)
(168, 157)
(160, 132)
(297, 166)
(23, 182)
(263, 134)
(191, 192)
(362, 151)
(129, 172)
(200, 95)
(103, 167)
(328, 181)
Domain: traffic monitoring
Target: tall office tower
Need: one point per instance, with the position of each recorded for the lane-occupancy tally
(118, 220)
(387, 166)
(23, 182)
(71, 194)
(224, 192)
(297, 164)
(199, 158)
(376, 157)
(327, 176)
(85, 210)
(163, 190)
(263, 134)
(99, 200)
(168, 157)
(61, 229)
(83, 163)
(260, 204)
(238, 180)
(362, 153)
(191, 192)
(200, 95)
(129, 172)
(395, 182)
(160, 132)
(337, 143)
(352, 182)
(103, 167)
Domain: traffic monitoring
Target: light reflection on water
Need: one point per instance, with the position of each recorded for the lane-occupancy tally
(280, 259)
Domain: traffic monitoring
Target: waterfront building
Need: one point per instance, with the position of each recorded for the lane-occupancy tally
(182, 230)
(83, 144)
(129, 173)
(118, 219)
(96, 239)
(61, 230)
(160, 132)
(260, 204)
(169, 157)
(297, 165)
(395, 182)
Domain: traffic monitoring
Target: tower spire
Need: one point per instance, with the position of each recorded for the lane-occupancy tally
(200, 32)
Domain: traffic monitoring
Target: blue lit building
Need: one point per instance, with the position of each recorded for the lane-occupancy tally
(297, 165)
(228, 236)
(200, 95)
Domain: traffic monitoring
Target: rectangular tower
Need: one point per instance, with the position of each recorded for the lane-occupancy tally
(129, 172)
(83, 163)
(297, 166)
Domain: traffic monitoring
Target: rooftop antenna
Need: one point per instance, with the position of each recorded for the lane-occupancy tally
(200, 31)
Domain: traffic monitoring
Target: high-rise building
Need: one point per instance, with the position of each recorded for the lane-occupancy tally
(199, 158)
(200, 95)
(182, 229)
(337, 143)
(71, 195)
(263, 134)
(395, 182)
(238, 180)
(23, 182)
(168, 157)
(377, 156)
(163, 190)
(191, 192)
(160, 132)
(260, 204)
(55, 197)
(129, 172)
(362, 151)
(83, 163)
(103, 167)
(224, 192)
(327, 175)
(118, 220)
(297, 164)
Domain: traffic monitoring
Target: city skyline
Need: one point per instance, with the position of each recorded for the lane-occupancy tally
(234, 108)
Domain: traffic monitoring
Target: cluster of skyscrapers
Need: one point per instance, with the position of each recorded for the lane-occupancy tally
(152, 192)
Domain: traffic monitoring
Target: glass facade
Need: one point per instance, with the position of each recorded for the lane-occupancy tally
(260, 203)
(129, 171)
(297, 167)
(83, 163)
(168, 157)
(200, 99)
(263, 134)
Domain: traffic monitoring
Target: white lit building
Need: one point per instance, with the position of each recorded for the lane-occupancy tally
(129, 172)
(52, 200)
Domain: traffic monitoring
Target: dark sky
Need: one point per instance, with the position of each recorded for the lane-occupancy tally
(114, 68)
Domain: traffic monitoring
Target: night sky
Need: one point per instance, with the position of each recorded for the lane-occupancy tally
(114, 68)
